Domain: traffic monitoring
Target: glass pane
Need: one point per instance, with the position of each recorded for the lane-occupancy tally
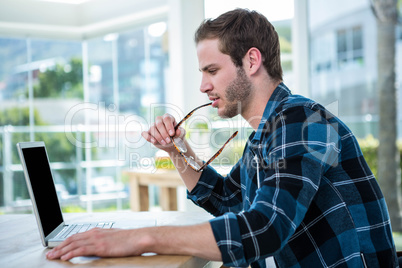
(1, 188)
(341, 41)
(357, 38)
(108, 192)
(14, 111)
(129, 68)
(53, 51)
(126, 77)
(100, 71)
(349, 90)
(57, 81)
(20, 192)
(13, 82)
(358, 44)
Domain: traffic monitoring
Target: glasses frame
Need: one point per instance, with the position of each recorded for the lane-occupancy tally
(183, 153)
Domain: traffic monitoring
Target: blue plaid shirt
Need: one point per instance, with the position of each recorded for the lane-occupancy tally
(316, 204)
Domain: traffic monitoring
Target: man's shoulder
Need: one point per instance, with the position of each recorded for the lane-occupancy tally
(296, 102)
(297, 107)
(296, 112)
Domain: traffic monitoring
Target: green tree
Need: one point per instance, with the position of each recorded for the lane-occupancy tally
(19, 117)
(63, 81)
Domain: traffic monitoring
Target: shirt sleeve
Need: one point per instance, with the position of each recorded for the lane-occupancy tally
(218, 194)
(301, 148)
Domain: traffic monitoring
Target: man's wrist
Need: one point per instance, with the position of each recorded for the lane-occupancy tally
(145, 242)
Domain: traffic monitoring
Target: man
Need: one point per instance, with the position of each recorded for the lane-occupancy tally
(302, 192)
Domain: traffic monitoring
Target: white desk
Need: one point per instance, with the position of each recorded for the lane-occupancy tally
(20, 244)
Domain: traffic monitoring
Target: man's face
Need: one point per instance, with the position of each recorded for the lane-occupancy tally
(227, 86)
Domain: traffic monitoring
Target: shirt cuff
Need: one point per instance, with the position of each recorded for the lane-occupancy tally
(228, 238)
(204, 187)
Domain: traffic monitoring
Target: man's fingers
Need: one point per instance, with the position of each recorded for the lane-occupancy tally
(170, 123)
(164, 137)
(84, 250)
(96, 242)
(69, 245)
(162, 130)
(147, 136)
(180, 132)
(156, 135)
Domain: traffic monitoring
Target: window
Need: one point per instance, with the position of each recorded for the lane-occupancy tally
(350, 47)
(342, 47)
(322, 53)
(357, 44)
(42, 81)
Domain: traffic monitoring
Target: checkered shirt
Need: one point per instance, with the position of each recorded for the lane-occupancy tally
(316, 204)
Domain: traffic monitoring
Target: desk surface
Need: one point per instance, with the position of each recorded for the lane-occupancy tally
(20, 244)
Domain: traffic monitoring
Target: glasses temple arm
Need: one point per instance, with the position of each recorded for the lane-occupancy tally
(190, 113)
(218, 152)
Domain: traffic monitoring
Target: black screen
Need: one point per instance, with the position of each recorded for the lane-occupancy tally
(43, 188)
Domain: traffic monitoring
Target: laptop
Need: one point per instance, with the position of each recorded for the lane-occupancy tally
(39, 179)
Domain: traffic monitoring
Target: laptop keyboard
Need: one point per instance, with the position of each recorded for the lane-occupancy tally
(80, 228)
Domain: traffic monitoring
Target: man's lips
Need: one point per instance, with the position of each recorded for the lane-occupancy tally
(214, 101)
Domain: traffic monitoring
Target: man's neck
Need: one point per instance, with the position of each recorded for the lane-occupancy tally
(260, 99)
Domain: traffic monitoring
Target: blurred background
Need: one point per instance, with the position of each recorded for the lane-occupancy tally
(87, 76)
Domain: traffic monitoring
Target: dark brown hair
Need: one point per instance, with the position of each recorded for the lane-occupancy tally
(238, 31)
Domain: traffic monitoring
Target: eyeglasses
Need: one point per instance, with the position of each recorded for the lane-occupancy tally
(182, 149)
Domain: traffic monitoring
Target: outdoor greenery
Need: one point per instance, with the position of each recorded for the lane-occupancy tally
(59, 148)
(20, 117)
(398, 241)
(62, 81)
(369, 147)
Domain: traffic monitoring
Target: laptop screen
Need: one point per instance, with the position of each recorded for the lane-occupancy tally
(43, 188)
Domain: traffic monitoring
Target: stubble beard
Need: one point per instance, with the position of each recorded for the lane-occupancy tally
(238, 93)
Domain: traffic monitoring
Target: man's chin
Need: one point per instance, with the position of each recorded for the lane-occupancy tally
(221, 113)
(226, 114)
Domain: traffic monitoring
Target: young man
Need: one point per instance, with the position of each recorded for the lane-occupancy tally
(302, 191)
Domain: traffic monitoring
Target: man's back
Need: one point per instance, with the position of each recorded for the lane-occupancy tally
(347, 216)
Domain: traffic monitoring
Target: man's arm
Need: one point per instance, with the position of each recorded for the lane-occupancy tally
(194, 240)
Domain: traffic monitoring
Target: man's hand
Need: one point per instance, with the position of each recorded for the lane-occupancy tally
(161, 132)
(195, 240)
(102, 243)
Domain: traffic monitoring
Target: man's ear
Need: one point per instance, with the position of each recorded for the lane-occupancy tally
(253, 60)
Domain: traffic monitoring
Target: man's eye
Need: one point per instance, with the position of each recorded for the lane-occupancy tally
(212, 71)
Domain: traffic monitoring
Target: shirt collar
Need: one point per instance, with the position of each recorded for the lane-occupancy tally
(277, 96)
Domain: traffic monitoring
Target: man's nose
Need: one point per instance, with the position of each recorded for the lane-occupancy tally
(206, 85)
